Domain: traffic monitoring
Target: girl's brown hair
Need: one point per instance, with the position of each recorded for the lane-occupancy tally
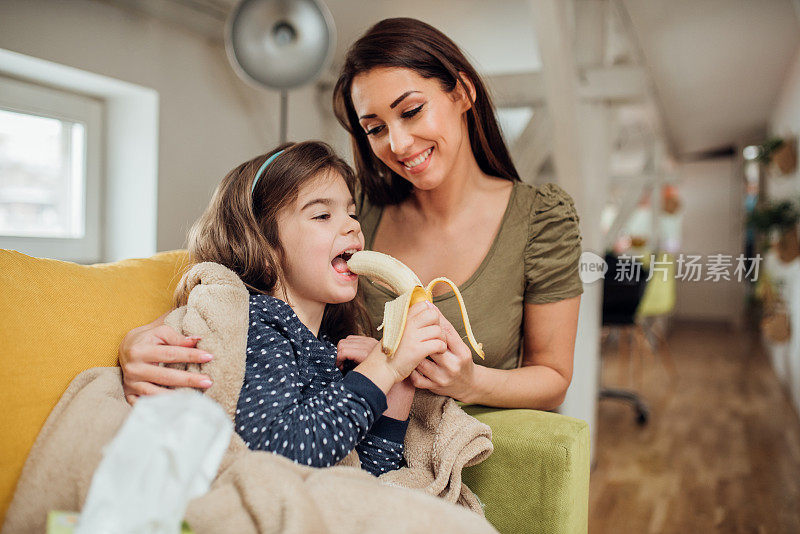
(239, 229)
(411, 44)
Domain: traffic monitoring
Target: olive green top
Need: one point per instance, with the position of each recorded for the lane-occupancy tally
(533, 259)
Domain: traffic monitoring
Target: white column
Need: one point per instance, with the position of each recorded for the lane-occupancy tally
(553, 21)
(534, 145)
(581, 146)
(595, 141)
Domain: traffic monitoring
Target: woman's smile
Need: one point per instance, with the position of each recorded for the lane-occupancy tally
(418, 163)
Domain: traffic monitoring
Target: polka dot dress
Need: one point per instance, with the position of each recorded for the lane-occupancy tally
(296, 403)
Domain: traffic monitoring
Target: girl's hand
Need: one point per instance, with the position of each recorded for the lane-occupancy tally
(422, 337)
(451, 372)
(143, 348)
(399, 399)
(354, 349)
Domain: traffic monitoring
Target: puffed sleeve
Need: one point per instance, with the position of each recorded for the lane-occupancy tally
(553, 252)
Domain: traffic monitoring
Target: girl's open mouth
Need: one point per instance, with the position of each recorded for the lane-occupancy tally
(339, 264)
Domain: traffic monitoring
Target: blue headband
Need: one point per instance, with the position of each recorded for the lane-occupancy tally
(264, 166)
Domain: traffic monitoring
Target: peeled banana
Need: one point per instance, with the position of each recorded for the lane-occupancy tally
(403, 281)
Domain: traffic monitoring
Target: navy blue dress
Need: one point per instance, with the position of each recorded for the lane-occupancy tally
(295, 402)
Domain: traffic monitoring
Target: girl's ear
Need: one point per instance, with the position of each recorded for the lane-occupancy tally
(465, 91)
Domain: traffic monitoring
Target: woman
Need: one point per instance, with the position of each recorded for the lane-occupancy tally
(440, 193)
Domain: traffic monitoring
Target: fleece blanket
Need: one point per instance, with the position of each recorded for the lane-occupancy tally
(255, 491)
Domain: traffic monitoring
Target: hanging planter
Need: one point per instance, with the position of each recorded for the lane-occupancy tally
(781, 152)
(775, 326)
(788, 245)
(779, 220)
(775, 323)
(785, 156)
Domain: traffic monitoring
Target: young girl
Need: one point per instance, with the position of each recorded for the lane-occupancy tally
(285, 223)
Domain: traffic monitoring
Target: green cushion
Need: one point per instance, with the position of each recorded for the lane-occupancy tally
(537, 478)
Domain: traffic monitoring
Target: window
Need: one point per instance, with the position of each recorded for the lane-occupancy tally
(49, 172)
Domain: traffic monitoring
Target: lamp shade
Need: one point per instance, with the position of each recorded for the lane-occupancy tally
(280, 44)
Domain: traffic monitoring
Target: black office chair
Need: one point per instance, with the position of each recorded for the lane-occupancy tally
(620, 300)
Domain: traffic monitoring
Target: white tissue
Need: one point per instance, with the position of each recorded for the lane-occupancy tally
(166, 453)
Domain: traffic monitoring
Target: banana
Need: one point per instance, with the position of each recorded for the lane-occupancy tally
(403, 281)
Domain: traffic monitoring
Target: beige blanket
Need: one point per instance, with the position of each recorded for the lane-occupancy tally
(258, 491)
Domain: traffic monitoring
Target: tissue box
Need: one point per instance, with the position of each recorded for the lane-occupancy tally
(65, 523)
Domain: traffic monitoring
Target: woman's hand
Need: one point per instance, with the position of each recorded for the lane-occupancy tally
(354, 349)
(143, 348)
(450, 373)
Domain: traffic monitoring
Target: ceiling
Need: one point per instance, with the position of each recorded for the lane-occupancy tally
(497, 36)
(717, 66)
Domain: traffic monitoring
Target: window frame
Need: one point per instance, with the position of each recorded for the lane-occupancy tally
(34, 99)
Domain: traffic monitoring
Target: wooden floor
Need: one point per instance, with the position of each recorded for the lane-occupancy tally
(721, 452)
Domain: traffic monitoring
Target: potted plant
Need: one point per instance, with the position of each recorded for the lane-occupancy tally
(782, 217)
(780, 151)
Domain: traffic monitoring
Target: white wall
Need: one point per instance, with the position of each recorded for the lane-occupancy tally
(209, 120)
(497, 37)
(785, 121)
(711, 194)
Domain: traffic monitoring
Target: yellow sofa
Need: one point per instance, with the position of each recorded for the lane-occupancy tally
(58, 319)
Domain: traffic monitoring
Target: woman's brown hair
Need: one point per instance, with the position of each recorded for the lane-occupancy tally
(239, 229)
(411, 44)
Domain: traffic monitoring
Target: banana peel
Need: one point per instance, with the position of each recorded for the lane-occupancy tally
(403, 281)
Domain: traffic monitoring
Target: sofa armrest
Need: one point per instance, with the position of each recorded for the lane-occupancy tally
(537, 478)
